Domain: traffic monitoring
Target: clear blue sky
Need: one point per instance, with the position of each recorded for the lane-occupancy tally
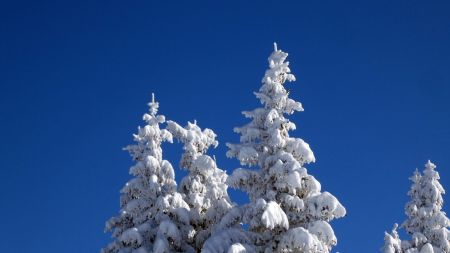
(75, 78)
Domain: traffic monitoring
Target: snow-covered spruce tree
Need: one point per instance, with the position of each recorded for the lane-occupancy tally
(427, 223)
(287, 210)
(204, 188)
(152, 215)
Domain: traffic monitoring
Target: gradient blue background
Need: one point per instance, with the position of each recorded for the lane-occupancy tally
(75, 77)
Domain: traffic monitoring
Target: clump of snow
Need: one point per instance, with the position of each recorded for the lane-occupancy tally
(427, 248)
(326, 206)
(300, 240)
(323, 231)
(294, 179)
(240, 248)
(293, 202)
(170, 232)
(237, 248)
(300, 150)
(274, 216)
(131, 237)
(248, 155)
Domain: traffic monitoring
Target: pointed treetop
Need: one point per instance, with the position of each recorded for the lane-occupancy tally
(416, 176)
(153, 106)
(430, 166)
(394, 227)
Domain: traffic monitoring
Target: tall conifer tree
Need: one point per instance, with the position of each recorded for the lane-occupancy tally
(287, 212)
(151, 209)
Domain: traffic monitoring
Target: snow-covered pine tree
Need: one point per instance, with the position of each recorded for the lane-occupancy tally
(204, 188)
(287, 210)
(427, 224)
(152, 212)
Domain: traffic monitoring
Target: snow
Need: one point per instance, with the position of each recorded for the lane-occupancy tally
(311, 185)
(323, 231)
(131, 237)
(161, 246)
(325, 205)
(427, 248)
(294, 179)
(203, 163)
(168, 229)
(248, 155)
(223, 240)
(418, 238)
(301, 150)
(294, 202)
(300, 240)
(239, 248)
(182, 215)
(274, 216)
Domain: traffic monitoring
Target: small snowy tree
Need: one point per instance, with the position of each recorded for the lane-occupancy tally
(152, 213)
(204, 188)
(287, 210)
(427, 223)
(392, 242)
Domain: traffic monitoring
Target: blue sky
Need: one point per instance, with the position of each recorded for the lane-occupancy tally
(373, 76)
